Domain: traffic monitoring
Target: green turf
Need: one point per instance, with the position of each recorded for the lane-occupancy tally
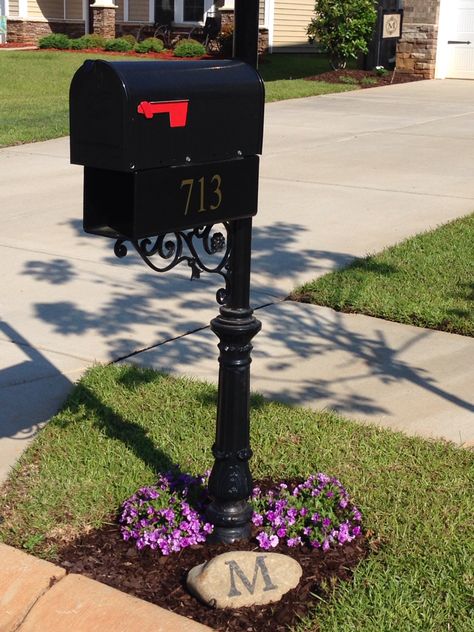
(284, 76)
(34, 90)
(122, 424)
(426, 281)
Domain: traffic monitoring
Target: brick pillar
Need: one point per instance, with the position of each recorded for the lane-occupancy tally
(103, 18)
(416, 50)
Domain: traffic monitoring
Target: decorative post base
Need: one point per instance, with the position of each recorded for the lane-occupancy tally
(230, 483)
(103, 18)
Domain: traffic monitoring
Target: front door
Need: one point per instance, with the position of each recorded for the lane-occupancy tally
(460, 43)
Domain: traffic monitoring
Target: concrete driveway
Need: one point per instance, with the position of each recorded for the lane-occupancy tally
(342, 176)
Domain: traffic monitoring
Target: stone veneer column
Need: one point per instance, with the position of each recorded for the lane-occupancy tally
(103, 18)
(416, 50)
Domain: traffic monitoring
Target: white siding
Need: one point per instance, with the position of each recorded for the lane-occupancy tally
(291, 19)
(46, 9)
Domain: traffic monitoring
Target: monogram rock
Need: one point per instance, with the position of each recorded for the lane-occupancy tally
(244, 578)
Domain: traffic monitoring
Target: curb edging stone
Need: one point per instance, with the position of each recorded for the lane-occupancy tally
(37, 595)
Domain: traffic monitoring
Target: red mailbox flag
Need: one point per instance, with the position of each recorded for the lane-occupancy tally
(177, 110)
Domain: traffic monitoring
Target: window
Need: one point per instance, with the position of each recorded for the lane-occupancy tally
(181, 11)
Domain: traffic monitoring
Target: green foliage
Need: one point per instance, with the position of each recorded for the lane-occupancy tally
(150, 45)
(88, 41)
(349, 80)
(381, 71)
(129, 38)
(55, 40)
(369, 81)
(118, 45)
(189, 48)
(94, 40)
(343, 28)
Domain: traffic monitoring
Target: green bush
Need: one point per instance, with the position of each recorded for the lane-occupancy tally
(55, 40)
(343, 28)
(150, 45)
(78, 44)
(118, 44)
(189, 48)
(94, 40)
(130, 38)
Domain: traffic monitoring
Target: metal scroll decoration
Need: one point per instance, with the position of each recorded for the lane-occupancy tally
(171, 249)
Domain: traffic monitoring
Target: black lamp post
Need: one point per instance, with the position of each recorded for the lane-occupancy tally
(230, 483)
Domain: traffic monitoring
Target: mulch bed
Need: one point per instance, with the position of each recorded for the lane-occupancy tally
(17, 44)
(364, 78)
(103, 555)
(166, 55)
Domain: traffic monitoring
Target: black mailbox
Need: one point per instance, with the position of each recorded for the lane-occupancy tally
(166, 145)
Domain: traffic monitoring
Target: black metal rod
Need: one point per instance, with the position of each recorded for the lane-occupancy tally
(230, 483)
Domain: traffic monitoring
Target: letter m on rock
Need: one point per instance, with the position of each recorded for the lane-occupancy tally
(235, 570)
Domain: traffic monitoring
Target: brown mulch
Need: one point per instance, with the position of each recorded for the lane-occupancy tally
(103, 555)
(165, 55)
(17, 44)
(364, 78)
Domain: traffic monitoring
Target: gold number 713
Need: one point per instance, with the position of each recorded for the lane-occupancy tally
(217, 191)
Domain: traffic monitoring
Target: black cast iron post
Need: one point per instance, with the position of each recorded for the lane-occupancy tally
(230, 483)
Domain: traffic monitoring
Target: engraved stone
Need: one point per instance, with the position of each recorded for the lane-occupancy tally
(244, 578)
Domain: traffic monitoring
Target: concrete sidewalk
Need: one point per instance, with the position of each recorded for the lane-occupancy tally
(37, 596)
(342, 175)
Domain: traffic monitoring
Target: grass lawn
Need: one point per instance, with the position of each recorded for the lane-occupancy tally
(121, 424)
(34, 91)
(284, 76)
(426, 281)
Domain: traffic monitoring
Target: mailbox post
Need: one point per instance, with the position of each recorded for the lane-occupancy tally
(154, 176)
(230, 483)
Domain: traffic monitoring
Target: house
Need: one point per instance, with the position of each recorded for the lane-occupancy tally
(283, 22)
(437, 39)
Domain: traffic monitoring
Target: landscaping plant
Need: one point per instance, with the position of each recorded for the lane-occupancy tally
(170, 515)
(343, 28)
(149, 45)
(189, 48)
(55, 40)
(118, 45)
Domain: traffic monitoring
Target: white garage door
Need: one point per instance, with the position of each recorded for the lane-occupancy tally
(460, 59)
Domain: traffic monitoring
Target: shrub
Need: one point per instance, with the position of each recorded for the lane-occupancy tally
(189, 48)
(94, 40)
(78, 44)
(129, 38)
(150, 45)
(343, 28)
(55, 40)
(118, 44)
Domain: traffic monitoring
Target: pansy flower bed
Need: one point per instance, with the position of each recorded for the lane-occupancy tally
(170, 516)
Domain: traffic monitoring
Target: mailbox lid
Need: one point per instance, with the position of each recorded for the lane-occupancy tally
(131, 116)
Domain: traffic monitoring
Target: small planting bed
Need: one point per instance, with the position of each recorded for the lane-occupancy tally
(363, 78)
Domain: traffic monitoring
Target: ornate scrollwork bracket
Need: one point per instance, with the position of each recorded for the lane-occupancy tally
(177, 246)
